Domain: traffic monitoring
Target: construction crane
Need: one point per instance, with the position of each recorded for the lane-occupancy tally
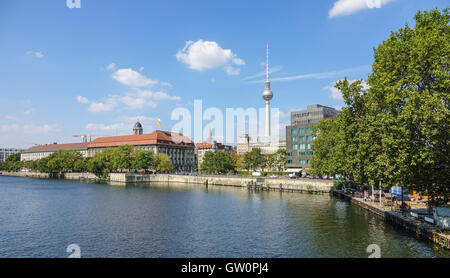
(85, 137)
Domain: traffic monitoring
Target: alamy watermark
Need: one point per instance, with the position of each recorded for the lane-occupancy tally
(71, 4)
(374, 250)
(74, 250)
(228, 126)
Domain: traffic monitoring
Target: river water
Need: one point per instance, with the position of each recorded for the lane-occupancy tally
(41, 218)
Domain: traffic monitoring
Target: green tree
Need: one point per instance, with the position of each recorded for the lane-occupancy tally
(207, 165)
(163, 163)
(100, 164)
(278, 160)
(12, 163)
(410, 86)
(63, 161)
(222, 163)
(122, 158)
(143, 160)
(42, 165)
(395, 130)
(238, 161)
(254, 160)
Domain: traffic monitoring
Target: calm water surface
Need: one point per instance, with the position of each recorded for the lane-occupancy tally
(40, 218)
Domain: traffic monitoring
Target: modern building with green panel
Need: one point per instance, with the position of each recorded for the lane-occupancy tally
(299, 137)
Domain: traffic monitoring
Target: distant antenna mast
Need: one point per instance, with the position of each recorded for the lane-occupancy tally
(267, 64)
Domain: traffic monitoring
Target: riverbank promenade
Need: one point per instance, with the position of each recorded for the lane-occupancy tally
(410, 221)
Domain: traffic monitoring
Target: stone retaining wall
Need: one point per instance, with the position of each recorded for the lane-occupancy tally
(307, 185)
(27, 174)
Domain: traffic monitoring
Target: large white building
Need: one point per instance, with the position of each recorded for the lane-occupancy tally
(177, 146)
(245, 145)
(4, 153)
(42, 151)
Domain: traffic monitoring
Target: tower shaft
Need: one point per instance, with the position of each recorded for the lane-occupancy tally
(267, 118)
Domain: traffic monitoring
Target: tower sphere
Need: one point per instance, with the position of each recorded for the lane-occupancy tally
(267, 94)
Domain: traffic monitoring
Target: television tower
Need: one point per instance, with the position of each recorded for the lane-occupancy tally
(267, 95)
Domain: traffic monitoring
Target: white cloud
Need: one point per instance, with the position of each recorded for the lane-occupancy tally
(111, 67)
(136, 99)
(82, 99)
(37, 54)
(29, 111)
(108, 105)
(132, 78)
(336, 94)
(321, 75)
(232, 70)
(263, 73)
(166, 84)
(11, 118)
(205, 55)
(148, 94)
(348, 7)
(141, 69)
(30, 128)
(41, 128)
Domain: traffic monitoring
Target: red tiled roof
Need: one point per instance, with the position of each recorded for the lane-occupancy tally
(57, 147)
(155, 138)
(209, 145)
(203, 145)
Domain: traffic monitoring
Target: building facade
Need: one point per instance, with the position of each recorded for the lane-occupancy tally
(4, 153)
(177, 146)
(213, 147)
(299, 136)
(245, 145)
(39, 152)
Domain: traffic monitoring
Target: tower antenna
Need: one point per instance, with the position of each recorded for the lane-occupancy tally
(267, 64)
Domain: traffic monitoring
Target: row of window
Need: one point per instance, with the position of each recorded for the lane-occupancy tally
(302, 138)
(301, 153)
(302, 130)
(301, 146)
(301, 161)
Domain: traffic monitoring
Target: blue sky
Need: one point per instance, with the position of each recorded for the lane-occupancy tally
(98, 68)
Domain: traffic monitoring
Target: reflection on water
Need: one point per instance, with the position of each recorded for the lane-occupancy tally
(40, 218)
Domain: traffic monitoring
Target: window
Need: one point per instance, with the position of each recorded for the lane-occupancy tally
(309, 153)
(307, 161)
(302, 130)
(289, 161)
(302, 146)
(294, 139)
(295, 147)
(309, 130)
(309, 138)
(301, 153)
(302, 138)
(294, 131)
(289, 154)
(309, 146)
